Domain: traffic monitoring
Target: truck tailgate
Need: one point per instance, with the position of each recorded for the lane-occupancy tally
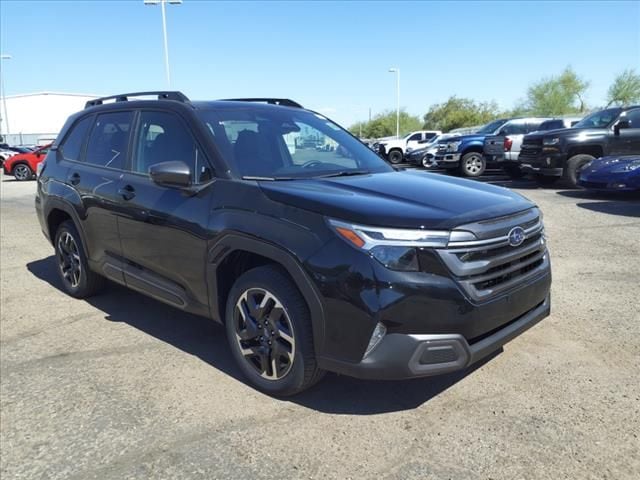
(494, 145)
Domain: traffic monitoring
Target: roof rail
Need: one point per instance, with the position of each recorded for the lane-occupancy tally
(285, 102)
(124, 97)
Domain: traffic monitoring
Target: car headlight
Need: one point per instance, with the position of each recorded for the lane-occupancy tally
(453, 146)
(626, 167)
(551, 141)
(395, 248)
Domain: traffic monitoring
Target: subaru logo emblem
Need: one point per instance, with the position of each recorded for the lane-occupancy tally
(516, 236)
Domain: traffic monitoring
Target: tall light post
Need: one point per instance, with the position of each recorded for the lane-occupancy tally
(4, 96)
(162, 4)
(397, 72)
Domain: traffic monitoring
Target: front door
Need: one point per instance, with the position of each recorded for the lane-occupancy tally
(163, 230)
(627, 141)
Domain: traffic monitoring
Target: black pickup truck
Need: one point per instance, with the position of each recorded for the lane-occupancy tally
(556, 154)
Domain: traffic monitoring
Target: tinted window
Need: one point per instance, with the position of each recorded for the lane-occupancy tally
(429, 136)
(415, 137)
(599, 119)
(162, 137)
(551, 125)
(633, 117)
(71, 148)
(287, 143)
(109, 139)
(513, 129)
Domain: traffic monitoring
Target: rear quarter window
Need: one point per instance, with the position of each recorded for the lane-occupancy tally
(71, 148)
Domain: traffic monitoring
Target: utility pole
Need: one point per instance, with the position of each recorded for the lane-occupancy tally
(397, 72)
(4, 97)
(162, 4)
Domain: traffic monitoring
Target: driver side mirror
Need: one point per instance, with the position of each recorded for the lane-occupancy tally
(171, 174)
(620, 125)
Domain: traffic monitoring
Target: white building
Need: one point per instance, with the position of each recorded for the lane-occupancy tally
(37, 118)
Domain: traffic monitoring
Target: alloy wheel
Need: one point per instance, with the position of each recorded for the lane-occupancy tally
(22, 172)
(473, 164)
(69, 259)
(264, 333)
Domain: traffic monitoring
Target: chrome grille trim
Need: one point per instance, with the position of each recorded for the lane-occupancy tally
(487, 267)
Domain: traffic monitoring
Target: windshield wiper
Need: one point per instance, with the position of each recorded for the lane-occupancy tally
(344, 173)
(269, 179)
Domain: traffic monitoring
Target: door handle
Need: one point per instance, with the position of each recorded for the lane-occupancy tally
(127, 192)
(74, 179)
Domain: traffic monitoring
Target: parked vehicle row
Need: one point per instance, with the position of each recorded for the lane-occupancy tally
(23, 166)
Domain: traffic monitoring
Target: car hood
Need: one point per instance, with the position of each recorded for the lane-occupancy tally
(584, 133)
(399, 199)
(464, 138)
(612, 164)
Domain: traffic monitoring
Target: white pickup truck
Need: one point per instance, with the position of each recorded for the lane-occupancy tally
(395, 149)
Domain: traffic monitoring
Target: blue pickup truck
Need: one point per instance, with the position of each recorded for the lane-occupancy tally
(466, 151)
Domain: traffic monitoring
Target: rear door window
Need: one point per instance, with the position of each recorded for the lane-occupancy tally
(109, 140)
(71, 148)
(514, 129)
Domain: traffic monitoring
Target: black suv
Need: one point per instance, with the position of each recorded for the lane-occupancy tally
(314, 260)
(556, 154)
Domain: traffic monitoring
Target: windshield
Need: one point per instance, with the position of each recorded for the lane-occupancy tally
(279, 144)
(601, 119)
(491, 127)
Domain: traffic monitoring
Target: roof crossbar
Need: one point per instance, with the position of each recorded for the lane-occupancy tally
(285, 102)
(124, 97)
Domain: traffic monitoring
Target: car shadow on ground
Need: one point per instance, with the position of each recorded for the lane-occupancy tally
(623, 204)
(206, 340)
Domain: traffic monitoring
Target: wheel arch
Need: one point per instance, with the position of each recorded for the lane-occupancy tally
(56, 213)
(241, 252)
(593, 150)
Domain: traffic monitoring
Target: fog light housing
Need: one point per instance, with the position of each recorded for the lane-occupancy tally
(376, 337)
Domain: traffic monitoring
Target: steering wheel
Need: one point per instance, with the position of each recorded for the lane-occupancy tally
(311, 163)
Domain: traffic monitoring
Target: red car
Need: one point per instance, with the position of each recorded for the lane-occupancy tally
(24, 166)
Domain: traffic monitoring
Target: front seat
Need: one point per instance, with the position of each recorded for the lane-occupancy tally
(253, 154)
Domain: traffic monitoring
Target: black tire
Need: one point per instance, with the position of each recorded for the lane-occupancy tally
(427, 162)
(513, 171)
(572, 169)
(545, 180)
(259, 332)
(71, 261)
(395, 157)
(472, 164)
(22, 172)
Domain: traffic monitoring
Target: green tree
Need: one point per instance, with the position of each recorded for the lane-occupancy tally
(625, 89)
(384, 125)
(557, 95)
(459, 112)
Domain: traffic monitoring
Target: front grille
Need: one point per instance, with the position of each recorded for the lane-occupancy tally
(491, 266)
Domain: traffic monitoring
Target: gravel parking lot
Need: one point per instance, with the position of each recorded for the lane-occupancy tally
(121, 386)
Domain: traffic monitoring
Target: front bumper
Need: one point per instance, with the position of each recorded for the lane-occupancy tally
(547, 172)
(401, 356)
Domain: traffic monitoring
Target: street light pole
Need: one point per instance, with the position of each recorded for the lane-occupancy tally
(397, 72)
(162, 4)
(4, 96)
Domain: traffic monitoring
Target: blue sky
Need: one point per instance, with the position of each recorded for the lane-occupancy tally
(330, 56)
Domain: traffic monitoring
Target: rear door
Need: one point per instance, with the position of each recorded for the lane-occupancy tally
(94, 173)
(163, 229)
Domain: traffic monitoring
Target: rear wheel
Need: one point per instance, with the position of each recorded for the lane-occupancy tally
(513, 171)
(472, 164)
(73, 268)
(22, 172)
(269, 331)
(572, 169)
(395, 156)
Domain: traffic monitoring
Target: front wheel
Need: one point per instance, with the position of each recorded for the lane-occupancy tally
(572, 169)
(22, 172)
(472, 164)
(269, 329)
(395, 157)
